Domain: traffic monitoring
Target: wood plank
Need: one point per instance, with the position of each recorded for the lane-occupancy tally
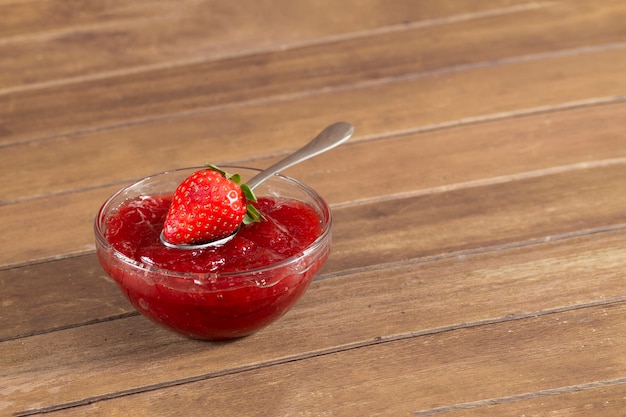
(504, 210)
(498, 148)
(85, 38)
(508, 286)
(21, 19)
(602, 398)
(56, 227)
(137, 97)
(479, 273)
(534, 208)
(409, 376)
(118, 155)
(44, 297)
(57, 294)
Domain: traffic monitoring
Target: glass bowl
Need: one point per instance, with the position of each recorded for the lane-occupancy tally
(214, 305)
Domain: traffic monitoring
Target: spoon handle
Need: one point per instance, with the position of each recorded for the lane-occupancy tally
(328, 138)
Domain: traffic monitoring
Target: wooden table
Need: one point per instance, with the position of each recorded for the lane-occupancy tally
(479, 238)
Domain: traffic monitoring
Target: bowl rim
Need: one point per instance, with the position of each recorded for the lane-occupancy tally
(326, 214)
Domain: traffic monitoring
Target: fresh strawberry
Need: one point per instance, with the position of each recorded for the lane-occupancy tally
(208, 205)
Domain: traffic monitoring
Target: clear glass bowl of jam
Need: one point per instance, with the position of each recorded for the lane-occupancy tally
(222, 292)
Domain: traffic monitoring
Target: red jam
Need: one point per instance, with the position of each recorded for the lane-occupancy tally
(233, 294)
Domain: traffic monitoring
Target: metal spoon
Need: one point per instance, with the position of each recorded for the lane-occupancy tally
(327, 139)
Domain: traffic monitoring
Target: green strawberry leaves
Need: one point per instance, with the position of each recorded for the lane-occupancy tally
(221, 171)
(252, 215)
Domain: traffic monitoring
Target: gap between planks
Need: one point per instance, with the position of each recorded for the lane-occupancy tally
(358, 345)
(391, 197)
(363, 85)
(485, 182)
(463, 17)
(520, 397)
(573, 105)
(389, 265)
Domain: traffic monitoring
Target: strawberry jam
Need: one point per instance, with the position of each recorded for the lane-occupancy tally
(218, 292)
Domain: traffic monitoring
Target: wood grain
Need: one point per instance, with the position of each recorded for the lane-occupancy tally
(411, 300)
(104, 158)
(318, 69)
(82, 39)
(604, 398)
(407, 376)
(94, 297)
(65, 293)
(497, 152)
(477, 263)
